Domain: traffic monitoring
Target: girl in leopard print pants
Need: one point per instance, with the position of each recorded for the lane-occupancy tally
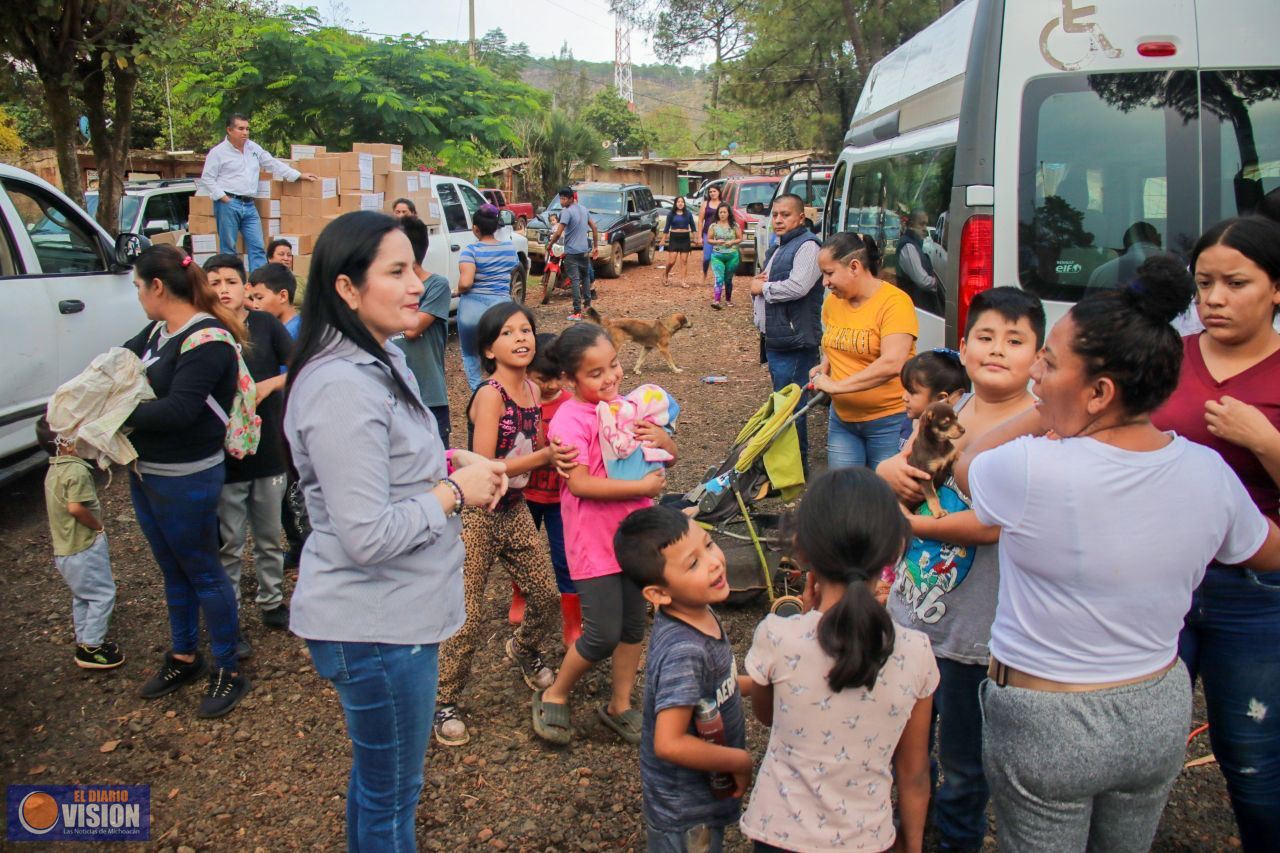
(503, 420)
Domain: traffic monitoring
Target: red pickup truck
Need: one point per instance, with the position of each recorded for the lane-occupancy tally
(522, 211)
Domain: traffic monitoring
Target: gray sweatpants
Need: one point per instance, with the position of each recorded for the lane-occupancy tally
(93, 590)
(1084, 771)
(254, 504)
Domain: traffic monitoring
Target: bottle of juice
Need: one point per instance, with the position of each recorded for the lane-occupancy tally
(710, 726)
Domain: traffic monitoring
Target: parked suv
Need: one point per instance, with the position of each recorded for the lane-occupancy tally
(67, 296)
(626, 216)
(151, 207)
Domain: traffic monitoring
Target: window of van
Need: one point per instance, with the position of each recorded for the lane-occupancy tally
(1108, 176)
(897, 200)
(1240, 112)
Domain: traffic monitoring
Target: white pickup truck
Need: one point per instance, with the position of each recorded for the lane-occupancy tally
(66, 295)
(454, 206)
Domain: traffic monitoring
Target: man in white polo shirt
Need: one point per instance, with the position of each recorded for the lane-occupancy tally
(230, 178)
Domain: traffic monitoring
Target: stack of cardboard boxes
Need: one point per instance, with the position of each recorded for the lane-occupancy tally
(369, 177)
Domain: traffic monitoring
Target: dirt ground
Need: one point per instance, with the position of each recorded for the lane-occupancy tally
(273, 774)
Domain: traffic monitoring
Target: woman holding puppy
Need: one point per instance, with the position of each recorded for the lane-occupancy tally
(1228, 398)
(869, 330)
(1105, 532)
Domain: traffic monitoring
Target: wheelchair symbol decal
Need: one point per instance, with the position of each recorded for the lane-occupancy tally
(1073, 23)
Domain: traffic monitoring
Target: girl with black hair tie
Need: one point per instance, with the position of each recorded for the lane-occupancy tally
(1106, 529)
(380, 581)
(847, 692)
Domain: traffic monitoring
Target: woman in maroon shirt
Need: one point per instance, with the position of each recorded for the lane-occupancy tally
(1228, 398)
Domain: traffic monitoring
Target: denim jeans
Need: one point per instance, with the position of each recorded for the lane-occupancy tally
(443, 426)
(548, 515)
(851, 445)
(699, 839)
(1231, 640)
(471, 307)
(786, 367)
(578, 268)
(388, 696)
(179, 517)
(960, 804)
(240, 217)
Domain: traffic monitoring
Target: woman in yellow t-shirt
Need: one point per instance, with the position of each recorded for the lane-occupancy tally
(869, 331)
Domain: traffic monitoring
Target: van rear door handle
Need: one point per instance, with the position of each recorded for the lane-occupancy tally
(70, 306)
(455, 248)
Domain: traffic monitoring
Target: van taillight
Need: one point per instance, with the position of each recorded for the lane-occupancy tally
(977, 258)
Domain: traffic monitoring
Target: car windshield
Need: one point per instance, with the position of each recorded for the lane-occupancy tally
(813, 190)
(129, 205)
(598, 201)
(749, 194)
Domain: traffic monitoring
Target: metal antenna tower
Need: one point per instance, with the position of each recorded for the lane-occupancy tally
(622, 63)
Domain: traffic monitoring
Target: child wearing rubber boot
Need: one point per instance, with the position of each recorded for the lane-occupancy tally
(693, 778)
(543, 497)
(614, 615)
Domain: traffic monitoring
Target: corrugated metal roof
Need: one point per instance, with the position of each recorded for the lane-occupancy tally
(763, 157)
(505, 163)
(706, 165)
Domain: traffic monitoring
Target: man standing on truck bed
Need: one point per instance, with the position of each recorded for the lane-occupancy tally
(574, 224)
(230, 178)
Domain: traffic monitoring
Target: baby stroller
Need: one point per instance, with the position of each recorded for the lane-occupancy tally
(764, 460)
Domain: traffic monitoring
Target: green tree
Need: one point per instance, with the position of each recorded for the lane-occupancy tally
(679, 26)
(570, 88)
(614, 119)
(91, 52)
(672, 136)
(555, 142)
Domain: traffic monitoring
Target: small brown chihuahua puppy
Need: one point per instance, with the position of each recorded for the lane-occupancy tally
(934, 450)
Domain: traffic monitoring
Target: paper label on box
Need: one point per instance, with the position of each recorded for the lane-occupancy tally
(292, 239)
(397, 157)
(273, 227)
(435, 210)
(366, 164)
(204, 243)
(275, 209)
(412, 183)
(302, 152)
(374, 201)
(329, 187)
(264, 189)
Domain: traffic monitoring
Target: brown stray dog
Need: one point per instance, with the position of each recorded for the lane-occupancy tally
(934, 451)
(649, 334)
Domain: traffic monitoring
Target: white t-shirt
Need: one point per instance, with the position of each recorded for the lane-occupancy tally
(1101, 548)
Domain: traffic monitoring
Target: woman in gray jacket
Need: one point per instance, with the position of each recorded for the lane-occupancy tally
(380, 581)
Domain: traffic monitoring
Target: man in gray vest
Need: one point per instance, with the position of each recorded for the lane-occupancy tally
(787, 304)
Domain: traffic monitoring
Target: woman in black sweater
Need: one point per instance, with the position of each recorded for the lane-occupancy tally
(179, 474)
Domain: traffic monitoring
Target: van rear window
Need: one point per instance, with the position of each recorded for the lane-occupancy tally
(1108, 176)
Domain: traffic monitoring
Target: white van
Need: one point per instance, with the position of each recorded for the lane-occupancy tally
(454, 204)
(1054, 145)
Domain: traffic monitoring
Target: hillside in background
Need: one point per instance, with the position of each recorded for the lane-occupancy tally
(662, 89)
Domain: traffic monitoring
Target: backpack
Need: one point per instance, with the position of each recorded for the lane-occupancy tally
(244, 426)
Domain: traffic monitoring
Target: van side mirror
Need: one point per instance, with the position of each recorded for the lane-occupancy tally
(129, 247)
(506, 217)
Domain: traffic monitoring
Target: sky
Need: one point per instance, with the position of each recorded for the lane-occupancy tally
(544, 25)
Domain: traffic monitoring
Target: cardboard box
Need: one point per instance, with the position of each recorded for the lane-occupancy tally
(323, 188)
(356, 182)
(393, 153)
(291, 205)
(302, 224)
(268, 189)
(380, 184)
(324, 167)
(201, 205)
(301, 269)
(202, 224)
(204, 244)
(354, 161)
(401, 184)
(381, 164)
(302, 243)
(201, 257)
(362, 201)
(168, 238)
(305, 152)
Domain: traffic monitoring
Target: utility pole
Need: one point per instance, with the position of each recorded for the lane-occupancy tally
(471, 44)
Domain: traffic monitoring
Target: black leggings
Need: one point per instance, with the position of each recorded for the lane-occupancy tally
(613, 611)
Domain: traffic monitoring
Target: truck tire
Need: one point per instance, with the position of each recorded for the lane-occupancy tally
(518, 284)
(645, 255)
(613, 268)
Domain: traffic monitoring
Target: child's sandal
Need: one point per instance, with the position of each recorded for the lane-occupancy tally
(626, 725)
(551, 721)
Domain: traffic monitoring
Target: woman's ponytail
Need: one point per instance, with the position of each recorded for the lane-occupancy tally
(848, 529)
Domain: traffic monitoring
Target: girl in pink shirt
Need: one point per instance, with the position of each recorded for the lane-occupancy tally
(592, 505)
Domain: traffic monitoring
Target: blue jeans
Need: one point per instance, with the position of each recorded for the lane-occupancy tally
(471, 307)
(240, 217)
(786, 367)
(699, 839)
(179, 517)
(550, 515)
(960, 804)
(578, 268)
(388, 696)
(1231, 639)
(867, 443)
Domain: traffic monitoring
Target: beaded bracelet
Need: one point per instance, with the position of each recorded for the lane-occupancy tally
(459, 500)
